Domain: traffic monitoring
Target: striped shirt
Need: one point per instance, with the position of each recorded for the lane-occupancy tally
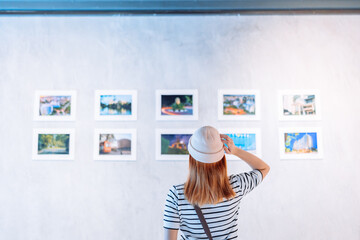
(221, 218)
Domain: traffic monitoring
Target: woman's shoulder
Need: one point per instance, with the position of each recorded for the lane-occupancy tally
(178, 188)
(231, 178)
(177, 192)
(234, 181)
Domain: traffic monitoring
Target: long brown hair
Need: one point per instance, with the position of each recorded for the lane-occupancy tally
(207, 183)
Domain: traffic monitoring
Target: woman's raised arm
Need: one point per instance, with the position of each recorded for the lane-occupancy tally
(251, 159)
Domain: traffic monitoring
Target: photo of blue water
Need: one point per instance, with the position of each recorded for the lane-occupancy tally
(115, 104)
(245, 141)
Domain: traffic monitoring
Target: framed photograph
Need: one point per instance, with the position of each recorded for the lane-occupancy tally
(301, 143)
(299, 105)
(172, 144)
(53, 144)
(235, 104)
(115, 144)
(248, 139)
(54, 105)
(115, 105)
(177, 104)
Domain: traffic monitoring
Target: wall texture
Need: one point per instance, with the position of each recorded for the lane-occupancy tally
(84, 199)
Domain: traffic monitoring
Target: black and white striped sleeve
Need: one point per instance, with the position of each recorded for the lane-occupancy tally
(248, 180)
(171, 212)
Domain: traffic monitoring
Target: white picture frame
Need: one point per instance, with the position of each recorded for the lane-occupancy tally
(52, 131)
(42, 110)
(171, 131)
(304, 142)
(159, 111)
(256, 131)
(300, 106)
(115, 157)
(118, 93)
(249, 107)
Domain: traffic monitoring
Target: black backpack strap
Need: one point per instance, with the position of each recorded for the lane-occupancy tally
(203, 222)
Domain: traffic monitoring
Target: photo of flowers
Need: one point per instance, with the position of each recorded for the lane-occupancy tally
(115, 105)
(54, 105)
(299, 105)
(172, 144)
(248, 139)
(115, 144)
(300, 143)
(176, 105)
(238, 104)
(53, 144)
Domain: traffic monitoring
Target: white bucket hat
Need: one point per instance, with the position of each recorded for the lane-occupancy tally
(205, 145)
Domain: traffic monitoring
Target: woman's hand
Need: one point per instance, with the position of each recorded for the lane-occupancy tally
(230, 148)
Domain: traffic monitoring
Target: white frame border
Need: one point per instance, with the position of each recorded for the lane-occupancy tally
(131, 117)
(318, 155)
(222, 92)
(193, 92)
(131, 157)
(315, 117)
(258, 140)
(37, 131)
(36, 105)
(175, 157)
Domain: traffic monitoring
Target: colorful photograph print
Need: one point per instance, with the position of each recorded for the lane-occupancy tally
(301, 143)
(115, 144)
(115, 105)
(172, 144)
(248, 139)
(299, 105)
(53, 144)
(54, 105)
(176, 104)
(238, 104)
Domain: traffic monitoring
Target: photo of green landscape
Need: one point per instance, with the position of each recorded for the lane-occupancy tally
(53, 143)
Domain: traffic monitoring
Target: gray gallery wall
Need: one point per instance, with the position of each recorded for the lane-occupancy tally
(84, 199)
